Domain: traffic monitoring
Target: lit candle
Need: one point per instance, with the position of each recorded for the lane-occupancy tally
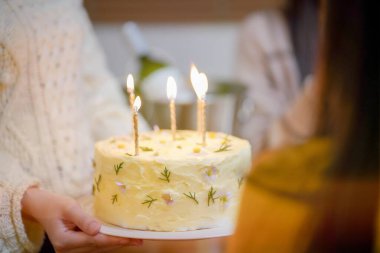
(200, 85)
(204, 84)
(194, 77)
(171, 91)
(136, 107)
(131, 89)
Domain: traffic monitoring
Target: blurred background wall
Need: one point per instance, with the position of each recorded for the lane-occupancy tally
(209, 45)
(200, 31)
(203, 32)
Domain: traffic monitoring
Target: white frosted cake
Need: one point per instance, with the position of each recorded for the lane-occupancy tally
(171, 185)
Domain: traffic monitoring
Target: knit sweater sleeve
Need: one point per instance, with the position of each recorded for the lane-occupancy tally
(108, 108)
(16, 234)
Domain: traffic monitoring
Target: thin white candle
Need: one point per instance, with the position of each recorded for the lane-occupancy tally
(194, 77)
(204, 87)
(171, 91)
(200, 85)
(136, 107)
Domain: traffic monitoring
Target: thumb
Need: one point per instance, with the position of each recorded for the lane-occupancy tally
(85, 222)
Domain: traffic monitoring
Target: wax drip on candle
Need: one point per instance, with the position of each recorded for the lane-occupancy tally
(171, 91)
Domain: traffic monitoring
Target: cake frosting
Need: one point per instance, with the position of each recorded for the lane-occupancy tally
(171, 185)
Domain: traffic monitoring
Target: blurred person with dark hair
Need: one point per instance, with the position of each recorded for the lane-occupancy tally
(323, 195)
(276, 57)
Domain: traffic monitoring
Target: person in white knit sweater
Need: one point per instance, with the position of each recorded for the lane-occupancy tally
(56, 99)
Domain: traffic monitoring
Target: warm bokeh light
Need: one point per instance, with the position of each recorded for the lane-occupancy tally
(171, 88)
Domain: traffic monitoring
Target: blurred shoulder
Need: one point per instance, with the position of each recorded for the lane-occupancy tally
(295, 171)
(267, 29)
(261, 18)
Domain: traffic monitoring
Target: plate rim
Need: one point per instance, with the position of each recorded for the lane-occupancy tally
(199, 234)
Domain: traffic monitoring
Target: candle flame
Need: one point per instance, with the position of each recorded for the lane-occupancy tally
(193, 74)
(137, 104)
(171, 88)
(199, 82)
(130, 83)
(194, 77)
(204, 83)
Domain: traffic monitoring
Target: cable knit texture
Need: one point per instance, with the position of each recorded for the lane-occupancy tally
(56, 99)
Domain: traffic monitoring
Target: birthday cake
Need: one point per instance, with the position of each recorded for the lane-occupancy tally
(171, 185)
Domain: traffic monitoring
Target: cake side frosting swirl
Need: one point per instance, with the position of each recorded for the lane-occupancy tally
(172, 185)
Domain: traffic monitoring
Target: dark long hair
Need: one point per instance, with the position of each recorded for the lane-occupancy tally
(348, 79)
(349, 85)
(302, 18)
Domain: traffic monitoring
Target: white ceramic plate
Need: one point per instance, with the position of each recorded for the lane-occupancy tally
(154, 235)
(109, 229)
